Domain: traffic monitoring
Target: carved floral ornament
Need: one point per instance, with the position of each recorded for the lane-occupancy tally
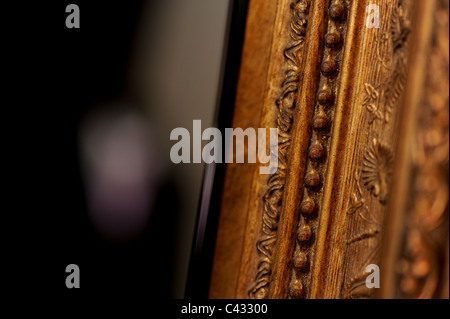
(377, 169)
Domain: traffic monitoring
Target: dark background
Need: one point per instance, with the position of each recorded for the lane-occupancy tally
(56, 76)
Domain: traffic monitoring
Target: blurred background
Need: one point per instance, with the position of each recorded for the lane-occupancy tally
(156, 67)
(97, 187)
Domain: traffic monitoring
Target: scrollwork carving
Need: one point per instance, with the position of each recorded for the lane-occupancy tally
(286, 105)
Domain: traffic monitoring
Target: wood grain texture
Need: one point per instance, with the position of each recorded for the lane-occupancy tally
(291, 195)
(358, 183)
(280, 95)
(352, 141)
(247, 112)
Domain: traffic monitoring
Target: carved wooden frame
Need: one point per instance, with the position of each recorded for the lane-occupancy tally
(360, 117)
